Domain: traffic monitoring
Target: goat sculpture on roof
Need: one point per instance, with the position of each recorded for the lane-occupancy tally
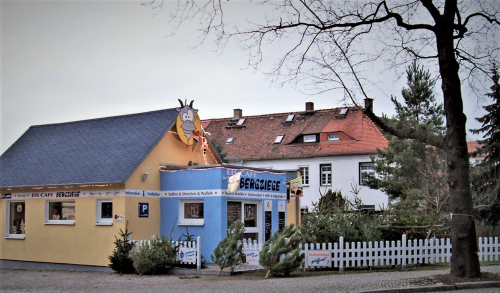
(187, 121)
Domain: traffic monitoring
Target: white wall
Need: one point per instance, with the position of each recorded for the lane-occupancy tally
(345, 171)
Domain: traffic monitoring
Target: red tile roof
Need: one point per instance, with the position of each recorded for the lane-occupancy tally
(254, 139)
(472, 146)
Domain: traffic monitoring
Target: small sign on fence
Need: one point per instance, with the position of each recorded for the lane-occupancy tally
(252, 257)
(319, 258)
(186, 255)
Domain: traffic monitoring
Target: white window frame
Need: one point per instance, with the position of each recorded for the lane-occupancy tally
(333, 137)
(361, 171)
(310, 138)
(7, 222)
(49, 221)
(304, 171)
(328, 181)
(229, 140)
(99, 221)
(190, 222)
(259, 217)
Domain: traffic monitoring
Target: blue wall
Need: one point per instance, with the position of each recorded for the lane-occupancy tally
(210, 185)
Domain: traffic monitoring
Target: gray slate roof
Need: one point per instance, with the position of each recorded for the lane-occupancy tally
(103, 150)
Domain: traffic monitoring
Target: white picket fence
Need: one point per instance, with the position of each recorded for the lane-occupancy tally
(369, 254)
(188, 252)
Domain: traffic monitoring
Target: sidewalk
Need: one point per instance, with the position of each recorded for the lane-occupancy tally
(72, 281)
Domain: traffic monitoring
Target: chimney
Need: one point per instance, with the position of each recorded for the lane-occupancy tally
(309, 106)
(369, 104)
(238, 113)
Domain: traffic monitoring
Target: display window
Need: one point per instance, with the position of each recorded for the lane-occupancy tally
(60, 212)
(191, 212)
(16, 224)
(104, 212)
(248, 213)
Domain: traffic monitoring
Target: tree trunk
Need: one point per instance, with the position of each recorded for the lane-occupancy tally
(464, 259)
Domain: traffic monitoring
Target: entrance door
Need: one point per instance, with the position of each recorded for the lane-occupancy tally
(248, 212)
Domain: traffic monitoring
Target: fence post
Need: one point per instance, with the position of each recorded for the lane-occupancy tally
(341, 254)
(198, 253)
(403, 252)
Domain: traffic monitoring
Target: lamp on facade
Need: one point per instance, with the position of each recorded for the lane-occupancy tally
(145, 176)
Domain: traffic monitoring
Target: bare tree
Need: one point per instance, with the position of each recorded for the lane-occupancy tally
(335, 40)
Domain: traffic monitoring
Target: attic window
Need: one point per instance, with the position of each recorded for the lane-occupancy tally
(240, 122)
(343, 111)
(279, 138)
(310, 138)
(290, 118)
(229, 140)
(333, 137)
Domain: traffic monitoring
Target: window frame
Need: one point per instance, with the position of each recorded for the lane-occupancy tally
(321, 172)
(308, 138)
(305, 175)
(334, 135)
(57, 222)
(361, 164)
(8, 235)
(279, 138)
(258, 222)
(99, 220)
(190, 222)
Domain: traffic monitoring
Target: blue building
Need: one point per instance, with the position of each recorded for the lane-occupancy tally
(196, 199)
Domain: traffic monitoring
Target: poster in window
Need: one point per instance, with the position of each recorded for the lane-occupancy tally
(233, 212)
(268, 225)
(281, 221)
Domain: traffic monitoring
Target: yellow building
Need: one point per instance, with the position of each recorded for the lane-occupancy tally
(67, 189)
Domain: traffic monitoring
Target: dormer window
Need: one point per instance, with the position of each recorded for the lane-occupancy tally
(310, 138)
(290, 118)
(229, 140)
(279, 138)
(333, 137)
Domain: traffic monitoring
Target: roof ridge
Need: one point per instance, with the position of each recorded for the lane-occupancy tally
(284, 113)
(100, 118)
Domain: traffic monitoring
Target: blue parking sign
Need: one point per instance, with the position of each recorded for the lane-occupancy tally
(143, 209)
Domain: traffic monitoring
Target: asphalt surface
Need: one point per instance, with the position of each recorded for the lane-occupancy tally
(71, 281)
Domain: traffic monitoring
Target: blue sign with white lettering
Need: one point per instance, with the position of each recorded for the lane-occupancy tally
(143, 209)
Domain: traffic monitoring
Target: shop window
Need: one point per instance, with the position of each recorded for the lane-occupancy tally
(104, 212)
(191, 212)
(365, 170)
(60, 212)
(16, 219)
(304, 171)
(325, 171)
(248, 213)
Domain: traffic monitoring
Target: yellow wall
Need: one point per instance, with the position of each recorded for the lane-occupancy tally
(169, 150)
(291, 211)
(82, 243)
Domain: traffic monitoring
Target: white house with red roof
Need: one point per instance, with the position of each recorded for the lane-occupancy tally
(332, 148)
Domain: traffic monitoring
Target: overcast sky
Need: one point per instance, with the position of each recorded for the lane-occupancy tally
(73, 60)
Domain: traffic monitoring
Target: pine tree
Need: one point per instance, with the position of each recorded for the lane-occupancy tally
(120, 260)
(409, 169)
(229, 252)
(486, 177)
(281, 253)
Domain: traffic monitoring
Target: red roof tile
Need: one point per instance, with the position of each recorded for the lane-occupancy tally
(254, 140)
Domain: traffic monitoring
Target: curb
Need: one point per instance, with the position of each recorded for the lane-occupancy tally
(458, 286)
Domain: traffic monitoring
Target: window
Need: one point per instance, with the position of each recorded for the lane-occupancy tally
(241, 121)
(17, 220)
(310, 138)
(333, 137)
(104, 212)
(248, 212)
(365, 170)
(229, 140)
(343, 111)
(325, 172)
(191, 212)
(60, 212)
(305, 175)
(279, 138)
(290, 118)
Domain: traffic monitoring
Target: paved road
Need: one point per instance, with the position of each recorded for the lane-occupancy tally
(65, 281)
